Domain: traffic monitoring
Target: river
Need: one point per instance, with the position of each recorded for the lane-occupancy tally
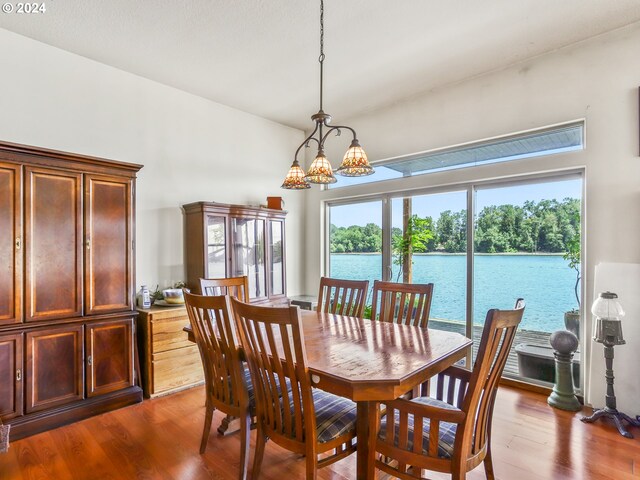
(544, 281)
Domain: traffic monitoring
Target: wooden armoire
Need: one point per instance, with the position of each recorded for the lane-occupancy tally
(66, 287)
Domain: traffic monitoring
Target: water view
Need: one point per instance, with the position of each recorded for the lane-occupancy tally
(544, 281)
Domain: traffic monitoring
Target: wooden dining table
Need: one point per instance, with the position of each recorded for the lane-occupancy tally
(372, 361)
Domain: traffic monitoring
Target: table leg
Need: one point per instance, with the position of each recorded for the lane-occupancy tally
(366, 467)
(230, 425)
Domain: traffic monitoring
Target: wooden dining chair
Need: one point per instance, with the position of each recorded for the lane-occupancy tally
(227, 381)
(234, 287)
(404, 303)
(344, 297)
(306, 420)
(450, 433)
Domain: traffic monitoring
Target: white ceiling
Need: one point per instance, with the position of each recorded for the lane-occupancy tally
(260, 56)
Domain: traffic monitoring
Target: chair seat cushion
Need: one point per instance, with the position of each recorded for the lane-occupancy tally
(446, 434)
(250, 391)
(335, 415)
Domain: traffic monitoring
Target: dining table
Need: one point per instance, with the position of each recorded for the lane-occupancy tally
(371, 361)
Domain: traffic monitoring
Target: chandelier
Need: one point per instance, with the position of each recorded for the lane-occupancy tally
(354, 163)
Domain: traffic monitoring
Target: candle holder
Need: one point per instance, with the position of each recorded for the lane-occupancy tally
(608, 331)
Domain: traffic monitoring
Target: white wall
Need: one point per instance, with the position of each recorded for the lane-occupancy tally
(192, 149)
(597, 80)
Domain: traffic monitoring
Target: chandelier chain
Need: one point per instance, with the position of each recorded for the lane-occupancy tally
(321, 57)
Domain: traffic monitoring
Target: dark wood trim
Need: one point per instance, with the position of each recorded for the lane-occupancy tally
(233, 210)
(23, 327)
(38, 155)
(39, 422)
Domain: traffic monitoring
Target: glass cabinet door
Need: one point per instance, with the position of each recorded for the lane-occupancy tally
(276, 256)
(216, 247)
(249, 254)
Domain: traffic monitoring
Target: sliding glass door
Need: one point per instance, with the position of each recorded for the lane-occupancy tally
(525, 241)
(527, 244)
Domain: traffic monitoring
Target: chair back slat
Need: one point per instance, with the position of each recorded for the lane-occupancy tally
(403, 303)
(496, 342)
(215, 336)
(237, 287)
(273, 341)
(343, 297)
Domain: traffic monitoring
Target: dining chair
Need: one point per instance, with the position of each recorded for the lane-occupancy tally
(450, 433)
(305, 420)
(234, 286)
(344, 297)
(227, 381)
(404, 303)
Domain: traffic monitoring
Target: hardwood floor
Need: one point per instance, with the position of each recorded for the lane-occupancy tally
(159, 439)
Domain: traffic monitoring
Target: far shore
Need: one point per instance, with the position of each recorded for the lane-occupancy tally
(540, 254)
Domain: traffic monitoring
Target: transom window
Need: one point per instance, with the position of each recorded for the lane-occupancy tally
(551, 140)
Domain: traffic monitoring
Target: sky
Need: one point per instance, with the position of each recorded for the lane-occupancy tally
(432, 205)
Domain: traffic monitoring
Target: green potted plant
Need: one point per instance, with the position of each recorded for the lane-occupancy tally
(572, 317)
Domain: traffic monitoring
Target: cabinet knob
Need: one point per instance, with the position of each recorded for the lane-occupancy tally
(18, 375)
(18, 243)
(89, 360)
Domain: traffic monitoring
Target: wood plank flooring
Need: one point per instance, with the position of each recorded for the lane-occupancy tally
(159, 439)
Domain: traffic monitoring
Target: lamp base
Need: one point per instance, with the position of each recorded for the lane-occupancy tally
(617, 418)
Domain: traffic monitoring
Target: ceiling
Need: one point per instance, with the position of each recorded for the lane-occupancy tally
(260, 56)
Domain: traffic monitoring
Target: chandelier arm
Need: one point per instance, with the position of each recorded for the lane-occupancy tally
(337, 127)
(307, 140)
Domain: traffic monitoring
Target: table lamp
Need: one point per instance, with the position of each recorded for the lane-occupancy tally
(607, 330)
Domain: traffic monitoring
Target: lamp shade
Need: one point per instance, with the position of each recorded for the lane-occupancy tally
(607, 306)
(295, 178)
(355, 162)
(320, 170)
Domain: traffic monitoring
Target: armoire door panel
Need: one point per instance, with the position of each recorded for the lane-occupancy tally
(108, 248)
(54, 367)
(109, 356)
(11, 373)
(10, 243)
(53, 244)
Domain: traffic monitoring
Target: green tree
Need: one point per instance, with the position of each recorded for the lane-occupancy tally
(415, 239)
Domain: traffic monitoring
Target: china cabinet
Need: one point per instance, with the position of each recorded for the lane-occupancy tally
(234, 240)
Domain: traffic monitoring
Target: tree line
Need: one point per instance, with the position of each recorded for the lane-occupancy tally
(547, 226)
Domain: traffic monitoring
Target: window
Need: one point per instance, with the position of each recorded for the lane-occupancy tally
(557, 139)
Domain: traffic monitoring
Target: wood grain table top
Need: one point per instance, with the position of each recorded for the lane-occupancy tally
(371, 360)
